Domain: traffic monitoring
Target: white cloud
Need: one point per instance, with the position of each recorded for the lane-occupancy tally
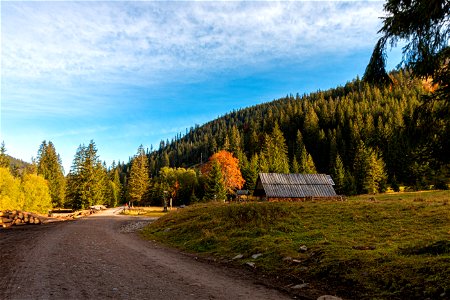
(146, 41)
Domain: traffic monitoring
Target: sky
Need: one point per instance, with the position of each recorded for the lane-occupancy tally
(130, 73)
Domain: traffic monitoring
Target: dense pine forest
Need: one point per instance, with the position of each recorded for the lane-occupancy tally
(357, 133)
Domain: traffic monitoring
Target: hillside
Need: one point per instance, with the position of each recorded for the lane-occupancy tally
(17, 165)
(356, 122)
(394, 246)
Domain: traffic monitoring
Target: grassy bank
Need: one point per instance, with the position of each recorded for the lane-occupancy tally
(149, 211)
(386, 246)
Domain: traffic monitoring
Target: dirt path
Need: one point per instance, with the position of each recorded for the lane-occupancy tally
(97, 257)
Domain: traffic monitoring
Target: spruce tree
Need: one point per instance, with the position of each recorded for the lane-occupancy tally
(349, 188)
(215, 185)
(251, 173)
(338, 174)
(369, 170)
(306, 163)
(295, 167)
(74, 181)
(50, 167)
(4, 160)
(376, 176)
(86, 179)
(275, 151)
(263, 165)
(139, 181)
(116, 187)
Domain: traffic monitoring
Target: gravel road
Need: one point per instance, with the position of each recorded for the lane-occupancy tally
(101, 256)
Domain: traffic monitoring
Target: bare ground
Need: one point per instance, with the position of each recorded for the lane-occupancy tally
(102, 257)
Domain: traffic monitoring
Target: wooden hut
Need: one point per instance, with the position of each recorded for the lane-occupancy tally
(294, 187)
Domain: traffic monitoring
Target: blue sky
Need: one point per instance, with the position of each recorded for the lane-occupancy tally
(131, 73)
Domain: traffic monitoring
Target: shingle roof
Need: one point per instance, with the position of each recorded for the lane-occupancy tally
(274, 185)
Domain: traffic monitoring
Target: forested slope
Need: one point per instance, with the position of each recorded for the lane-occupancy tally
(352, 132)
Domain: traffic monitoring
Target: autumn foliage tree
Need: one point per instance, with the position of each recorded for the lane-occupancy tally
(229, 166)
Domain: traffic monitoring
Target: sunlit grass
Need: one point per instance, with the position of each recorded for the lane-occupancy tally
(149, 211)
(407, 236)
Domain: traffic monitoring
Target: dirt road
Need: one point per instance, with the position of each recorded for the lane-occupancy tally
(99, 257)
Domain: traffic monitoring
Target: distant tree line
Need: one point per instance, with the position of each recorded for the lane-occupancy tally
(362, 134)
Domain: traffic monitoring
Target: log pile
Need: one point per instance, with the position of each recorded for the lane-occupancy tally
(9, 218)
(68, 214)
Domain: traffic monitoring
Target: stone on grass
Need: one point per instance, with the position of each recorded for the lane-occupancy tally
(303, 248)
(255, 256)
(239, 256)
(250, 264)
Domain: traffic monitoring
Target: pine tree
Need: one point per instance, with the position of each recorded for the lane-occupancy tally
(338, 174)
(349, 184)
(138, 182)
(4, 160)
(215, 185)
(116, 187)
(50, 167)
(86, 179)
(306, 163)
(369, 170)
(226, 143)
(295, 167)
(376, 176)
(275, 151)
(74, 181)
(251, 173)
(263, 165)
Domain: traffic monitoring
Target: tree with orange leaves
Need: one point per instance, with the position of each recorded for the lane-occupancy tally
(229, 166)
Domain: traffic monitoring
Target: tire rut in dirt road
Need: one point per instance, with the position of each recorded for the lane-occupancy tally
(93, 258)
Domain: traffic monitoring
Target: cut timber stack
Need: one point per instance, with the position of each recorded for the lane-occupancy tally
(9, 218)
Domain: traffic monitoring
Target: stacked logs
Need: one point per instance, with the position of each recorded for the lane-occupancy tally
(9, 218)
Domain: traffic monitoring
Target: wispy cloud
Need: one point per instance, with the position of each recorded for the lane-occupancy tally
(145, 42)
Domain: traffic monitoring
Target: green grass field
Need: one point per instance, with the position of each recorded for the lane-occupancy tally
(393, 246)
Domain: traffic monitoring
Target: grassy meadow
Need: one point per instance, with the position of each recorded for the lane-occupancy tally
(384, 246)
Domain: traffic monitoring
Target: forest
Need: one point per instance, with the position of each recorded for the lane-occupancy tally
(365, 136)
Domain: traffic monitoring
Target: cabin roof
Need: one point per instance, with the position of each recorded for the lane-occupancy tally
(275, 185)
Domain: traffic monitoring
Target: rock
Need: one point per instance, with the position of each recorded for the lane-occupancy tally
(297, 261)
(300, 286)
(239, 256)
(303, 248)
(287, 258)
(167, 229)
(255, 256)
(328, 297)
(251, 264)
